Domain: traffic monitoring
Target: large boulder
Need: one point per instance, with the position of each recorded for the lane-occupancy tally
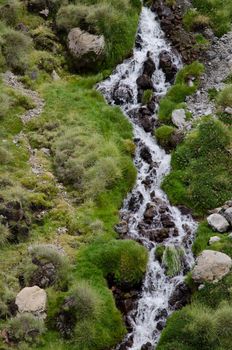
(179, 118)
(86, 49)
(32, 299)
(211, 266)
(218, 222)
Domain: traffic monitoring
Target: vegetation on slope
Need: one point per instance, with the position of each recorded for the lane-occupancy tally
(82, 170)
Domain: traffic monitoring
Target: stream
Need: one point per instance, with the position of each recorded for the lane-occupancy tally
(147, 215)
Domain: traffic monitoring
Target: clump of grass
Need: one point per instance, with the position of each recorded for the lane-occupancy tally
(108, 19)
(147, 96)
(25, 328)
(164, 134)
(220, 16)
(176, 95)
(224, 98)
(172, 260)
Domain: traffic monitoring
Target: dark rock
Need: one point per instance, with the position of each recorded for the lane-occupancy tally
(145, 154)
(144, 82)
(168, 67)
(122, 228)
(167, 221)
(160, 325)
(149, 67)
(180, 297)
(147, 346)
(44, 276)
(150, 212)
(135, 201)
(122, 94)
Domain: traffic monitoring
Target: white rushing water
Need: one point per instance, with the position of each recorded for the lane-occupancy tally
(154, 304)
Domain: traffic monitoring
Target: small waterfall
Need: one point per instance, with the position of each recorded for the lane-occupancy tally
(146, 210)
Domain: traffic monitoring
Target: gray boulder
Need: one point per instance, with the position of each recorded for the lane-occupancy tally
(86, 49)
(218, 222)
(179, 118)
(211, 266)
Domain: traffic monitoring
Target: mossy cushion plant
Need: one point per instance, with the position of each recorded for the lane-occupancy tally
(201, 167)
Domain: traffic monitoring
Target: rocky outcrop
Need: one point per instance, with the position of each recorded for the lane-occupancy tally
(168, 67)
(172, 25)
(218, 222)
(211, 266)
(179, 118)
(86, 49)
(32, 300)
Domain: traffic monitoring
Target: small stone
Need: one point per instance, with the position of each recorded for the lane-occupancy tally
(214, 239)
(55, 76)
(228, 110)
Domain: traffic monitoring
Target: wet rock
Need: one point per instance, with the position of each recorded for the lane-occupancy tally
(135, 201)
(147, 123)
(147, 346)
(122, 228)
(180, 297)
(159, 235)
(184, 210)
(146, 154)
(122, 94)
(218, 222)
(167, 221)
(168, 67)
(149, 67)
(150, 212)
(144, 82)
(160, 325)
(161, 313)
(211, 266)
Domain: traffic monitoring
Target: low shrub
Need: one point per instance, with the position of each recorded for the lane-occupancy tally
(25, 328)
(224, 98)
(164, 134)
(193, 20)
(15, 46)
(44, 254)
(4, 235)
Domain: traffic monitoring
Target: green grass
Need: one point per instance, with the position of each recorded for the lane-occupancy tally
(201, 168)
(177, 94)
(219, 13)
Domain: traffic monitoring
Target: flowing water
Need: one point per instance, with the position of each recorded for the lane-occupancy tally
(154, 303)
